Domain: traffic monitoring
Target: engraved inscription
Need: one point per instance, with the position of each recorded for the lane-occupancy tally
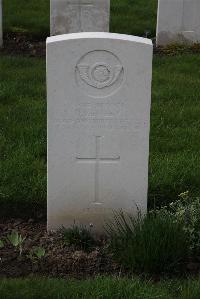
(96, 124)
(80, 3)
(100, 114)
(100, 110)
(99, 73)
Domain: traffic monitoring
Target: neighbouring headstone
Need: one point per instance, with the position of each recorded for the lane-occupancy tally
(99, 94)
(69, 16)
(1, 25)
(178, 21)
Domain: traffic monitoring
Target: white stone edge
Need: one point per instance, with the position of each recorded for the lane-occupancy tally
(98, 35)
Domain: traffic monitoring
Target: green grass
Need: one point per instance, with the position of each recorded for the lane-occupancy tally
(136, 17)
(22, 134)
(153, 244)
(175, 128)
(98, 288)
(174, 138)
(32, 17)
(78, 237)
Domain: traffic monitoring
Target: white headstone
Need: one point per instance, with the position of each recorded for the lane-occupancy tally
(99, 94)
(178, 21)
(1, 25)
(69, 16)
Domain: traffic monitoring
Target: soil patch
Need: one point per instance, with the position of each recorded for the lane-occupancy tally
(19, 44)
(60, 260)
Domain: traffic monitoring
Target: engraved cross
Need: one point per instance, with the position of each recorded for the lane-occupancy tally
(97, 160)
(80, 4)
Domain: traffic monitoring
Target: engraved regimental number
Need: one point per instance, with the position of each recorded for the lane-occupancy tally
(99, 73)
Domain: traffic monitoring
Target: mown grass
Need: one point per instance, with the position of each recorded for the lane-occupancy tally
(100, 287)
(175, 128)
(32, 17)
(136, 17)
(29, 17)
(22, 134)
(174, 139)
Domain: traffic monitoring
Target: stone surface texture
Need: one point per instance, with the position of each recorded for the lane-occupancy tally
(99, 95)
(178, 21)
(70, 16)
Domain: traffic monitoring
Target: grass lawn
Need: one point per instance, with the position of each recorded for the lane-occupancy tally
(174, 143)
(32, 17)
(174, 139)
(175, 128)
(101, 287)
(22, 133)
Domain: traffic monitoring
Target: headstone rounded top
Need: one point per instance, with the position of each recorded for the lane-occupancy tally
(98, 35)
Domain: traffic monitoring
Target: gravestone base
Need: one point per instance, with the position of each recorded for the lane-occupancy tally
(178, 21)
(92, 219)
(183, 37)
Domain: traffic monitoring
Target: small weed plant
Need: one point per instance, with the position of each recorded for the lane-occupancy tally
(79, 237)
(151, 244)
(186, 210)
(16, 240)
(1, 244)
(37, 254)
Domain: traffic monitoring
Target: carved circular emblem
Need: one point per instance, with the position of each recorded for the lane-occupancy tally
(99, 73)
